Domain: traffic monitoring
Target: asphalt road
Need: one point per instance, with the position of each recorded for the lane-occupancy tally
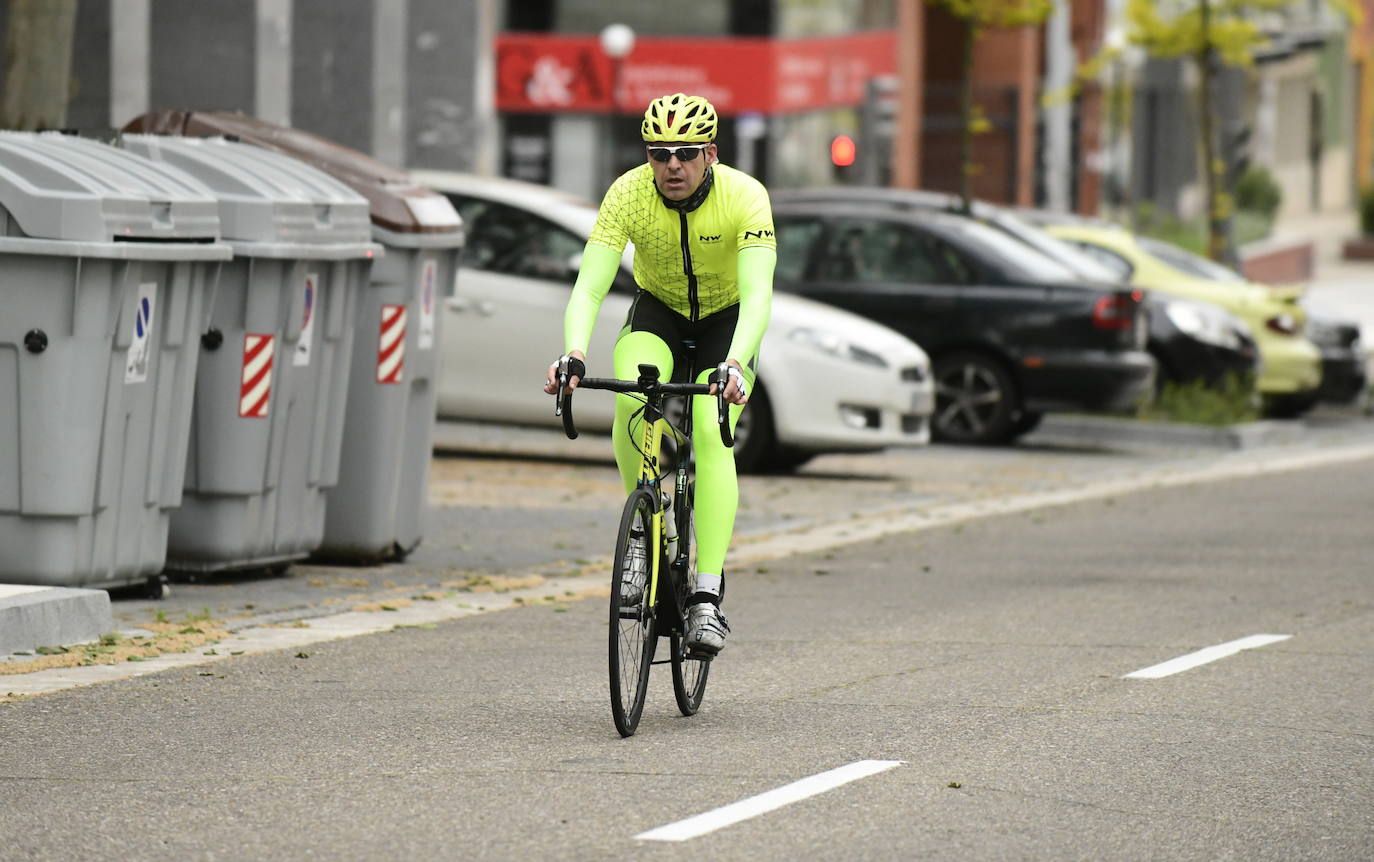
(987, 657)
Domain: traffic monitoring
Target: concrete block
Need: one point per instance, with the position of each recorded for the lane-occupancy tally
(51, 616)
(1106, 432)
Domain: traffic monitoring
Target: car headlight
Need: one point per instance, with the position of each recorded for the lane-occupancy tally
(838, 346)
(1208, 324)
(1284, 324)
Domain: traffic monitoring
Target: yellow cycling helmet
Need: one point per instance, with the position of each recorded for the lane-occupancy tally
(679, 117)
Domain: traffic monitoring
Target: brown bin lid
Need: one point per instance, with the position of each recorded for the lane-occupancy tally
(396, 202)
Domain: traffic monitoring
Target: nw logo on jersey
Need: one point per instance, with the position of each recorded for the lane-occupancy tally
(705, 238)
(757, 234)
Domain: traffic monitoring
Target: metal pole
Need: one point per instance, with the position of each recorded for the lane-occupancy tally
(1059, 63)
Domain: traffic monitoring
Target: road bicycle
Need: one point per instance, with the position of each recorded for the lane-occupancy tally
(646, 604)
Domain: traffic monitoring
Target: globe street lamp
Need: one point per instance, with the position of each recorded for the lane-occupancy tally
(617, 41)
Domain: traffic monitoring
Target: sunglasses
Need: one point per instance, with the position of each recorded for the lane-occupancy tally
(684, 154)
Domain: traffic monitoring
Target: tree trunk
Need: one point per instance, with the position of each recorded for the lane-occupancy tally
(1216, 228)
(38, 62)
(966, 116)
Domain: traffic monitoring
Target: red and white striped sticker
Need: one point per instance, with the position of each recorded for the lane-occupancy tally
(391, 348)
(255, 386)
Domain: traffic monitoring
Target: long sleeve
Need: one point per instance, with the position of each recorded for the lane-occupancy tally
(594, 278)
(756, 265)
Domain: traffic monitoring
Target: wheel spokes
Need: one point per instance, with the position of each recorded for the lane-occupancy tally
(968, 396)
(632, 621)
(971, 418)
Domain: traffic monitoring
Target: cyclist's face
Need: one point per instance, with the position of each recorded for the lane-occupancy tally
(678, 179)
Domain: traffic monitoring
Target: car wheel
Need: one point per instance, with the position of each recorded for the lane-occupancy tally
(975, 399)
(1289, 406)
(786, 460)
(1164, 372)
(755, 438)
(755, 447)
(1025, 422)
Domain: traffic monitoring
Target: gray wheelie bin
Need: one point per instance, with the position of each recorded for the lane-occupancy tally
(267, 426)
(376, 511)
(105, 258)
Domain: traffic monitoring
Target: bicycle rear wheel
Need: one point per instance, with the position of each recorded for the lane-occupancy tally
(689, 674)
(634, 634)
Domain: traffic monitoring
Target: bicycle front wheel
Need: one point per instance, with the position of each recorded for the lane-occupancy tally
(689, 673)
(633, 631)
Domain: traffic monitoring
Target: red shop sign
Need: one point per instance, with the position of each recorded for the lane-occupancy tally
(549, 74)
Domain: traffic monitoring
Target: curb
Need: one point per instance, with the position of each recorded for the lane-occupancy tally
(1108, 433)
(48, 616)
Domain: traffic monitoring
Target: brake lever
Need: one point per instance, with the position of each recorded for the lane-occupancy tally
(723, 409)
(565, 407)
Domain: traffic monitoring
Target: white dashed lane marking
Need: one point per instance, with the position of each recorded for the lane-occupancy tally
(733, 813)
(1203, 656)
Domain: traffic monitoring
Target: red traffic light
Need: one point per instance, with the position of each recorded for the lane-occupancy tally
(842, 151)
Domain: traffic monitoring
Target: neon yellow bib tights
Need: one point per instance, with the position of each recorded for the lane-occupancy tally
(696, 263)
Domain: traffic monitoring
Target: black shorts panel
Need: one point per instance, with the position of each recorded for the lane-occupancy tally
(712, 334)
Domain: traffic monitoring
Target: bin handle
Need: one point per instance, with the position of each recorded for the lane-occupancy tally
(208, 325)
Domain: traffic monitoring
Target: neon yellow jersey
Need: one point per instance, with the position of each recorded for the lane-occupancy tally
(687, 260)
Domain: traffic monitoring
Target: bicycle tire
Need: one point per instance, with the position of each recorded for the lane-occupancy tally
(634, 633)
(689, 674)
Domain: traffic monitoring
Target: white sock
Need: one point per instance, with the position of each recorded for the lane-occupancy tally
(708, 583)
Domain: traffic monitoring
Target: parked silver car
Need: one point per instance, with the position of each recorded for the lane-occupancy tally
(829, 381)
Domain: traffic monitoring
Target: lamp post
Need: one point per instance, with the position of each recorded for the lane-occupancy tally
(617, 41)
(1118, 161)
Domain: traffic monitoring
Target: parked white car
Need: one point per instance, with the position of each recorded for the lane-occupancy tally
(829, 381)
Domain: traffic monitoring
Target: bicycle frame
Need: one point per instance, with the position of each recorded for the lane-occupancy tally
(655, 392)
(651, 444)
(651, 614)
(654, 424)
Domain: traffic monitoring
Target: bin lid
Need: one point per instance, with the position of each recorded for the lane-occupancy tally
(398, 204)
(57, 186)
(264, 196)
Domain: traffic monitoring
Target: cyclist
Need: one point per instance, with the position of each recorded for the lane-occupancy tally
(703, 263)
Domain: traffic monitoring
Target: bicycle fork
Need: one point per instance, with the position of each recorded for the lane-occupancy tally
(648, 478)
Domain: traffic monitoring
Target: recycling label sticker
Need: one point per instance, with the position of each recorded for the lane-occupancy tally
(428, 275)
(136, 367)
(307, 339)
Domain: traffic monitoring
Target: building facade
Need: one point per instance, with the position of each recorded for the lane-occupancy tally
(406, 80)
(1296, 111)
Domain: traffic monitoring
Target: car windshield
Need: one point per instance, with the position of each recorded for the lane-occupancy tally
(1053, 246)
(1186, 261)
(1015, 258)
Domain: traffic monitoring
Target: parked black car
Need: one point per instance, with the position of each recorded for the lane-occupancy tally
(1011, 335)
(1343, 361)
(1198, 341)
(1189, 340)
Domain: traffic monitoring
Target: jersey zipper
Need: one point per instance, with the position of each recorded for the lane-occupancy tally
(687, 269)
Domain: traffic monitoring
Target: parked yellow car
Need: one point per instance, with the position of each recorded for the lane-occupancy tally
(1291, 369)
